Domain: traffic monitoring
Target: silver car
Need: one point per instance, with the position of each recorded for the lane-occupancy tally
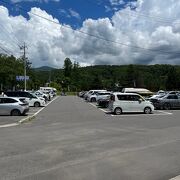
(13, 106)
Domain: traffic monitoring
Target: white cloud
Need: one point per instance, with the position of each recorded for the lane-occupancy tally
(74, 14)
(69, 13)
(155, 25)
(116, 2)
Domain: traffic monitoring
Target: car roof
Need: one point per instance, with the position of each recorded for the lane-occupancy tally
(120, 93)
(8, 97)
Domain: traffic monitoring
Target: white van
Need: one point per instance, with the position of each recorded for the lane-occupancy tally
(48, 89)
(142, 91)
(129, 102)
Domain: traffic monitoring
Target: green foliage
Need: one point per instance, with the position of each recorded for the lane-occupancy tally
(73, 78)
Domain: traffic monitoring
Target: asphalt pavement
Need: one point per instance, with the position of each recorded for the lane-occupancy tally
(74, 140)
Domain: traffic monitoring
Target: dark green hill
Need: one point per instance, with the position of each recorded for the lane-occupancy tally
(44, 68)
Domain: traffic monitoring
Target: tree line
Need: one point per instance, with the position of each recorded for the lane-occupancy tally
(72, 77)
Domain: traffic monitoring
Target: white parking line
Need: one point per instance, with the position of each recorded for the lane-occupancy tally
(165, 112)
(9, 125)
(132, 115)
(35, 114)
(93, 105)
(99, 108)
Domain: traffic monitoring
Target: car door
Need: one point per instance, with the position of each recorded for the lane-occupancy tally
(178, 101)
(124, 103)
(173, 100)
(137, 103)
(2, 107)
(7, 105)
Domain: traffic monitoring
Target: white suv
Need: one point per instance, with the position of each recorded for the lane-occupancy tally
(129, 102)
(92, 95)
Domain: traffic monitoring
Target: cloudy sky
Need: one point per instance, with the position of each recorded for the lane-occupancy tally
(92, 31)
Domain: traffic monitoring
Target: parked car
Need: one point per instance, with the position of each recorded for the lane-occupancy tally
(159, 94)
(129, 102)
(82, 93)
(36, 101)
(103, 102)
(48, 95)
(103, 95)
(169, 101)
(41, 94)
(91, 92)
(91, 95)
(13, 106)
(30, 98)
(103, 99)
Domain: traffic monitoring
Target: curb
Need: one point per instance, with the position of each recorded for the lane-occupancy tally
(30, 118)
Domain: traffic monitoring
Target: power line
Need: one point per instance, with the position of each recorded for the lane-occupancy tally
(10, 35)
(92, 35)
(13, 42)
(6, 51)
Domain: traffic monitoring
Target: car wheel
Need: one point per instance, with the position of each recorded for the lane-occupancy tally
(15, 112)
(93, 99)
(167, 106)
(36, 104)
(118, 111)
(147, 110)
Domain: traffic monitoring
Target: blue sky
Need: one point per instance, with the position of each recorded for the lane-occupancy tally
(72, 12)
(92, 32)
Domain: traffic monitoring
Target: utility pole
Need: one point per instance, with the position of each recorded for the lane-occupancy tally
(24, 47)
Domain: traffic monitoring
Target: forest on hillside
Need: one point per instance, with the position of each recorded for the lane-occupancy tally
(72, 77)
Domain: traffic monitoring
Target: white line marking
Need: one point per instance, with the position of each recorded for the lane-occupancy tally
(8, 125)
(132, 115)
(165, 112)
(35, 114)
(103, 110)
(93, 105)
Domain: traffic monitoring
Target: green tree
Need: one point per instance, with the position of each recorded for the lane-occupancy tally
(67, 67)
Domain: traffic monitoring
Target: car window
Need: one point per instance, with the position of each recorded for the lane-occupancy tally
(8, 100)
(123, 97)
(33, 96)
(22, 100)
(135, 98)
(12, 94)
(172, 97)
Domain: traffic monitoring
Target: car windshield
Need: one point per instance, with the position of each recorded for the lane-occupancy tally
(32, 96)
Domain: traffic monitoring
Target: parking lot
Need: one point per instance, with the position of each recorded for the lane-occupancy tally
(8, 121)
(72, 139)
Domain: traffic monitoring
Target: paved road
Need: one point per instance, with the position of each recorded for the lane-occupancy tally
(73, 140)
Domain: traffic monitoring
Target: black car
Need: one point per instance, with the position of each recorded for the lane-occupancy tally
(103, 103)
(18, 94)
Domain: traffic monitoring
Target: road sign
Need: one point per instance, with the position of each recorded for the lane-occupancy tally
(21, 78)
